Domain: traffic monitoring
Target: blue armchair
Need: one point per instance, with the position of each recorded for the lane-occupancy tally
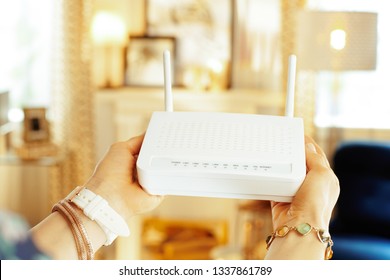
(361, 225)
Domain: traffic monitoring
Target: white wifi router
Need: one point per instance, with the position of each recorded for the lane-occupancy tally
(226, 155)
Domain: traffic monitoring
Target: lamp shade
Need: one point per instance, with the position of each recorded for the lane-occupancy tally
(336, 41)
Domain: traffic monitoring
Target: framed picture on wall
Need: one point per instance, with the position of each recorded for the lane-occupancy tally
(144, 60)
(36, 127)
(203, 31)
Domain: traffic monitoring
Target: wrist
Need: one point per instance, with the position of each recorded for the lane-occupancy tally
(312, 220)
(312, 216)
(110, 193)
(95, 232)
(296, 247)
(97, 209)
(301, 241)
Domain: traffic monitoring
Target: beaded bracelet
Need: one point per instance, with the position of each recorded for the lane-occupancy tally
(83, 244)
(304, 229)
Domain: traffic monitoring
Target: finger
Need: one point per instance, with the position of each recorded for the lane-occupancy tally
(134, 144)
(321, 152)
(317, 148)
(314, 154)
(146, 201)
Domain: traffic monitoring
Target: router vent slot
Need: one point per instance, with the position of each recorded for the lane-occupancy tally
(221, 136)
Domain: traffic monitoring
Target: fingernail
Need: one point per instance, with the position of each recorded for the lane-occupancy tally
(311, 147)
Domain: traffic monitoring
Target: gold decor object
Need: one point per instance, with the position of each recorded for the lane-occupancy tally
(175, 239)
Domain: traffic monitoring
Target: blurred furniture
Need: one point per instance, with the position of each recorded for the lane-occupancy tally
(5, 138)
(29, 187)
(175, 239)
(252, 225)
(361, 227)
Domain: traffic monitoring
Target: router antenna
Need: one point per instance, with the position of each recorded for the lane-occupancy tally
(168, 82)
(292, 63)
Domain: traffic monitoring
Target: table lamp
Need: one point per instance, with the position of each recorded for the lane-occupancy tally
(109, 36)
(334, 41)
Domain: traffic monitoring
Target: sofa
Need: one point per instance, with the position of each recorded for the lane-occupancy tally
(360, 226)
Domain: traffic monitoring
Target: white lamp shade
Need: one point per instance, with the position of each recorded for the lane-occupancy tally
(336, 41)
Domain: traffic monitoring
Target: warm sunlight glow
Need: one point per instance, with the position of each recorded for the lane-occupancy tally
(338, 39)
(15, 115)
(215, 65)
(108, 28)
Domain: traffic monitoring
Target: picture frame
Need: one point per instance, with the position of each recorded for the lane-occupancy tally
(36, 127)
(144, 60)
(203, 32)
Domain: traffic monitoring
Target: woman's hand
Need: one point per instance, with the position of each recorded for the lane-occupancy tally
(115, 179)
(317, 196)
(313, 204)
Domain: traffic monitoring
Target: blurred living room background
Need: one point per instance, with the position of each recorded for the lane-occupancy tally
(78, 75)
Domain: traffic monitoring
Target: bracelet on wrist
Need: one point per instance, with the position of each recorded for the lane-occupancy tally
(97, 209)
(83, 244)
(304, 229)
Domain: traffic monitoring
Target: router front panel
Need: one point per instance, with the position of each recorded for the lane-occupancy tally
(222, 155)
(222, 167)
